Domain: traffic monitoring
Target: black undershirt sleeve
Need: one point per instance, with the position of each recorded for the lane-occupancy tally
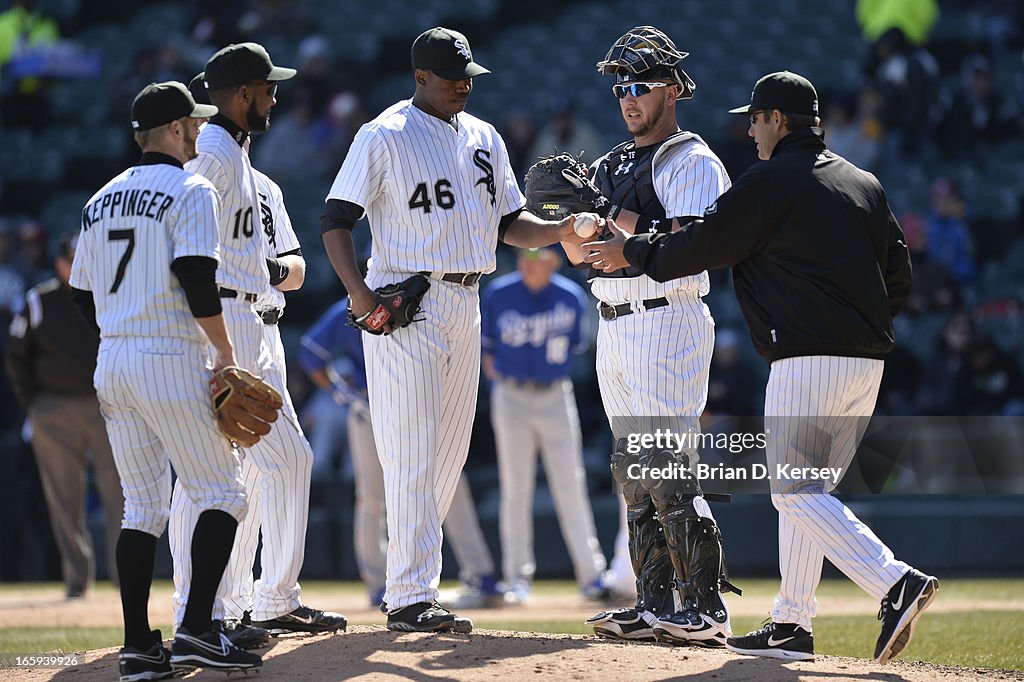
(507, 220)
(340, 215)
(198, 277)
(86, 306)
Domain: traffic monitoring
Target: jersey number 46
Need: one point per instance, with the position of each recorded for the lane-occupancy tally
(442, 196)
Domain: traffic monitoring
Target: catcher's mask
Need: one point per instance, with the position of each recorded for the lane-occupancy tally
(645, 53)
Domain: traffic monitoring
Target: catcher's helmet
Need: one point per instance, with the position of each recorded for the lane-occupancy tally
(646, 52)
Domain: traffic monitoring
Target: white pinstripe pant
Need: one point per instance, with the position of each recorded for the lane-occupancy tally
(423, 382)
(276, 472)
(816, 411)
(370, 537)
(155, 401)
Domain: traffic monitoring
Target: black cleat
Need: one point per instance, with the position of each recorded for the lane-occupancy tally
(211, 649)
(304, 619)
(152, 664)
(244, 635)
(786, 641)
(629, 624)
(427, 617)
(901, 608)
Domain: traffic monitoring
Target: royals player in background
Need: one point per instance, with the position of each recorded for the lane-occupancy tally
(531, 329)
(439, 191)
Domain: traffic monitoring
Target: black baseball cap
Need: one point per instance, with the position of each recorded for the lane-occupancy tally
(160, 103)
(783, 90)
(446, 53)
(197, 86)
(243, 63)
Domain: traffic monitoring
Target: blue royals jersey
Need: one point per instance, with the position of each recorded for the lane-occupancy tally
(532, 334)
(331, 338)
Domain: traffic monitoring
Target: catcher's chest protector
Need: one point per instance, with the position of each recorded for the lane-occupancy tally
(625, 177)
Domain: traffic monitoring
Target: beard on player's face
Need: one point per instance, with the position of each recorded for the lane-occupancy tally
(189, 135)
(258, 123)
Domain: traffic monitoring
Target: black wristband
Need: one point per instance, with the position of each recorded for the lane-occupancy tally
(646, 224)
(278, 271)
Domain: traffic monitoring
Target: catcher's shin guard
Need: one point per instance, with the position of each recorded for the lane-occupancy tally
(648, 551)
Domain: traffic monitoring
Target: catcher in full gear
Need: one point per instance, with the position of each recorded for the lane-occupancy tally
(654, 343)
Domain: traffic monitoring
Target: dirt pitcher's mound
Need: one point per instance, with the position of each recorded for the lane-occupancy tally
(371, 652)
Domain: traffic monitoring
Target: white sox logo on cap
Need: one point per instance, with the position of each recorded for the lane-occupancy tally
(462, 49)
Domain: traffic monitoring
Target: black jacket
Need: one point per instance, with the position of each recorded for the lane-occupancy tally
(819, 262)
(51, 349)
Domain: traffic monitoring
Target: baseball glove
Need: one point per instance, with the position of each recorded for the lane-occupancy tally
(558, 185)
(244, 405)
(395, 305)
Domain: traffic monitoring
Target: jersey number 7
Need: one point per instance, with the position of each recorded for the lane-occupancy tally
(122, 265)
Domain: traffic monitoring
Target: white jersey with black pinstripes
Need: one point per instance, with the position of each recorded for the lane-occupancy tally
(434, 193)
(688, 177)
(132, 229)
(278, 234)
(222, 161)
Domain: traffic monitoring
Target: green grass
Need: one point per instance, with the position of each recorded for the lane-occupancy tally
(32, 640)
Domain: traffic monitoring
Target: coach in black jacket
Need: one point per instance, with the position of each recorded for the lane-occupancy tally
(821, 267)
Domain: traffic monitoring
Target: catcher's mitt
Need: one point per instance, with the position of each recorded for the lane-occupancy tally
(395, 305)
(557, 186)
(244, 405)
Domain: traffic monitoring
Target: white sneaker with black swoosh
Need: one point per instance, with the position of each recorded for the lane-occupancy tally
(211, 649)
(786, 641)
(900, 611)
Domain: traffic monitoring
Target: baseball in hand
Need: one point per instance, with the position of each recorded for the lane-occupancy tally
(587, 225)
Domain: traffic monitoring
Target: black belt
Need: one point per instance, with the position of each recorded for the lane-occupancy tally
(231, 293)
(270, 316)
(466, 279)
(530, 384)
(610, 312)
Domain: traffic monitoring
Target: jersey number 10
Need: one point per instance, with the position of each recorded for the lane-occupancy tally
(244, 222)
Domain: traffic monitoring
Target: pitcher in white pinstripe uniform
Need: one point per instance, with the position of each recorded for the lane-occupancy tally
(145, 272)
(654, 348)
(242, 81)
(821, 267)
(439, 191)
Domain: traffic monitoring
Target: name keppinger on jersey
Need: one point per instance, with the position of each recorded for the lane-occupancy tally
(132, 203)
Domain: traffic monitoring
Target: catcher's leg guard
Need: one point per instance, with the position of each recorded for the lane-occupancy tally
(648, 554)
(648, 551)
(695, 550)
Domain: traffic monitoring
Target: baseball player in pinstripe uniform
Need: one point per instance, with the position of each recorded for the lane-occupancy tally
(145, 272)
(654, 349)
(242, 81)
(820, 304)
(439, 191)
(331, 338)
(531, 328)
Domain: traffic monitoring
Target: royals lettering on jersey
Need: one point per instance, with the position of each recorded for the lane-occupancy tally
(132, 230)
(447, 186)
(222, 161)
(532, 335)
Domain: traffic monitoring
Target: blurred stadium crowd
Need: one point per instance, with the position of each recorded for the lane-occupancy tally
(929, 96)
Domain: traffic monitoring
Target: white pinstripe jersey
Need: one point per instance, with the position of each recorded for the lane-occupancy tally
(434, 193)
(132, 229)
(688, 177)
(278, 234)
(222, 161)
